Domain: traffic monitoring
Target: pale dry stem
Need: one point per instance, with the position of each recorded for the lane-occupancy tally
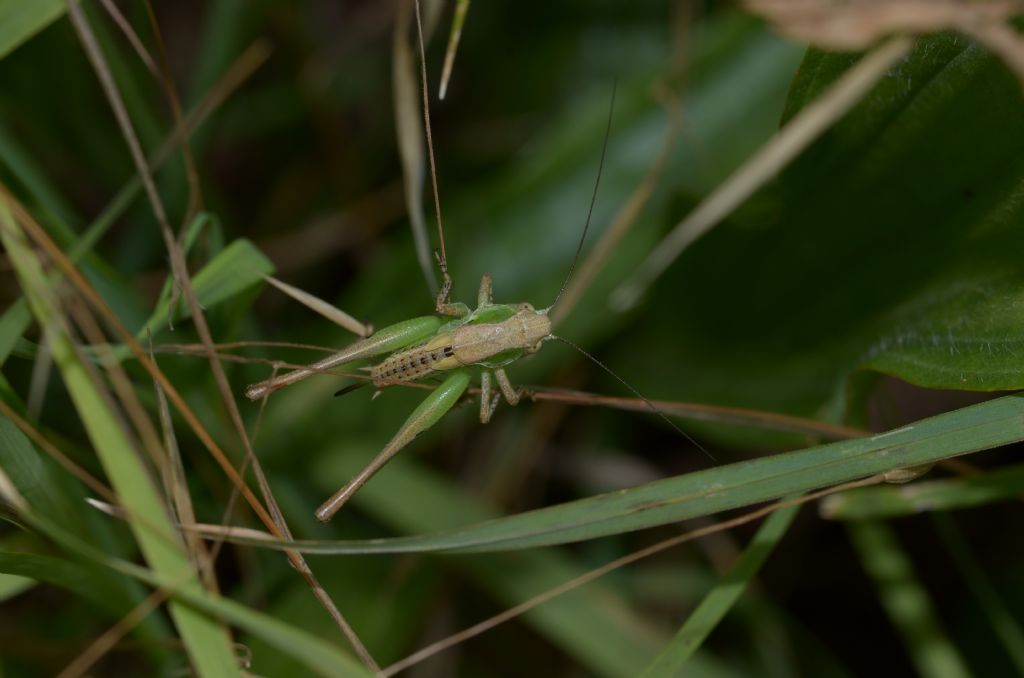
(176, 485)
(408, 128)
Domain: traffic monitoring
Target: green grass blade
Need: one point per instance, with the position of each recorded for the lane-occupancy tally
(21, 163)
(53, 493)
(891, 501)
(720, 600)
(205, 639)
(1006, 628)
(12, 584)
(20, 20)
(906, 601)
(237, 267)
(990, 424)
(84, 579)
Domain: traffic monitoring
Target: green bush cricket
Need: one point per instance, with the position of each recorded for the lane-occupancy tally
(489, 337)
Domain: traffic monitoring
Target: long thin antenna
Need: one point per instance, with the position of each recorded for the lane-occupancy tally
(654, 408)
(593, 199)
(430, 140)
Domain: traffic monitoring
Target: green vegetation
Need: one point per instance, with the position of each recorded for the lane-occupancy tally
(870, 290)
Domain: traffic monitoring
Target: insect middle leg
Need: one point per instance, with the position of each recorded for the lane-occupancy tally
(489, 400)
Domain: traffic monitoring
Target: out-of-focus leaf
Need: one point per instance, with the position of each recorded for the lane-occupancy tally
(21, 19)
(889, 245)
(1006, 629)
(12, 584)
(53, 493)
(906, 600)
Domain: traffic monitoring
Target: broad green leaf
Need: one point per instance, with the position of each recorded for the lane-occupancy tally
(888, 246)
(21, 19)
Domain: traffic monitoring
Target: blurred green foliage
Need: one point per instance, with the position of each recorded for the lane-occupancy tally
(889, 247)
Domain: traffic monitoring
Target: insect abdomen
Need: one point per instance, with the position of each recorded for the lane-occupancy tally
(414, 363)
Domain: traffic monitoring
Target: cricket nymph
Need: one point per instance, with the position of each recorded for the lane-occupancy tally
(491, 344)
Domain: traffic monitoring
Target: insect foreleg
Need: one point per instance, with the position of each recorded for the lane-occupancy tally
(426, 414)
(443, 305)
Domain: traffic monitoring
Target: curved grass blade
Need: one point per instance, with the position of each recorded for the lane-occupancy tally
(236, 268)
(978, 427)
(906, 601)
(83, 579)
(1006, 629)
(720, 600)
(409, 130)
